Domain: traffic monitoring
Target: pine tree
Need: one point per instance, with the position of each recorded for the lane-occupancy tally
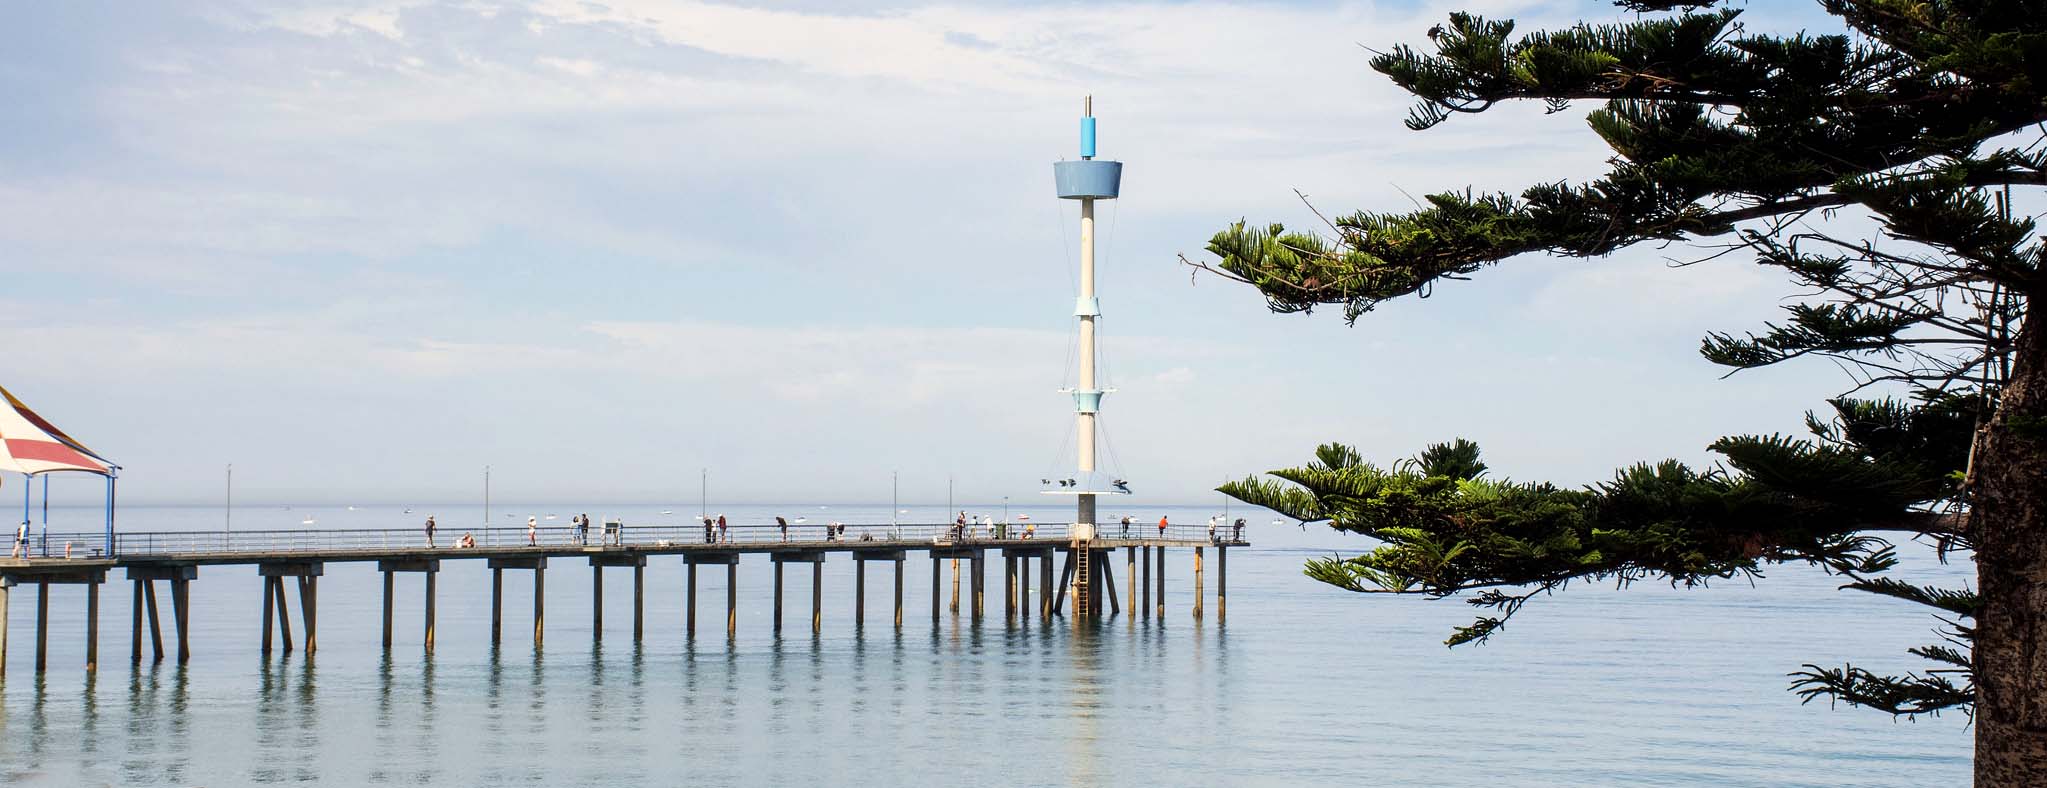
(1924, 116)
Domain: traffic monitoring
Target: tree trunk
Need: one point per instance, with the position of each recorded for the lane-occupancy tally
(2009, 526)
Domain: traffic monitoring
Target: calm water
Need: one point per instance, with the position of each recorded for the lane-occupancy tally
(1652, 686)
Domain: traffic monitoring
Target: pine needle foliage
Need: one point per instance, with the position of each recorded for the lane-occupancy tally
(1445, 530)
(1921, 115)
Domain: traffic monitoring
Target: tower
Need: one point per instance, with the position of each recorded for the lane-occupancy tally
(1087, 180)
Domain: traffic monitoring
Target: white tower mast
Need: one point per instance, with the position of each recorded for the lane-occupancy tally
(1087, 180)
(1087, 310)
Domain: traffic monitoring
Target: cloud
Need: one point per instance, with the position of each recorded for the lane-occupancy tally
(625, 237)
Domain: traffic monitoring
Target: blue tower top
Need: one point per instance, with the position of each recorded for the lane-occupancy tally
(1088, 178)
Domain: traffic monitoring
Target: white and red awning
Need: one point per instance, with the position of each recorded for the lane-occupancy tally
(30, 445)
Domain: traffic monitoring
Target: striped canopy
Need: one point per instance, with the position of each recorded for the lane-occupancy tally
(30, 445)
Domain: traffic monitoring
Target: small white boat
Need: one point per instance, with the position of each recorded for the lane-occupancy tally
(550, 517)
(307, 521)
(667, 511)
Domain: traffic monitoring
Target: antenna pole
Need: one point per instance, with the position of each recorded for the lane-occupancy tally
(228, 511)
(486, 500)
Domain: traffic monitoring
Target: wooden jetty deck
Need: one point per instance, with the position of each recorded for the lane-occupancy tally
(302, 555)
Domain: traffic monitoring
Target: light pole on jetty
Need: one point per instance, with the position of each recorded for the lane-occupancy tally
(1086, 180)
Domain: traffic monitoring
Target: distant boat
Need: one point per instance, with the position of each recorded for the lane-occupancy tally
(307, 521)
(550, 517)
(408, 510)
(351, 508)
(667, 511)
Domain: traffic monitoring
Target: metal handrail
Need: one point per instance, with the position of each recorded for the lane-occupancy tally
(313, 540)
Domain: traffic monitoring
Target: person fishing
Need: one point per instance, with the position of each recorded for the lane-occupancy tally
(783, 523)
(1237, 534)
(707, 530)
(724, 533)
(430, 530)
(532, 531)
(1126, 526)
(1162, 526)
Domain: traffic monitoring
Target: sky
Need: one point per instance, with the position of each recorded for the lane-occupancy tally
(362, 250)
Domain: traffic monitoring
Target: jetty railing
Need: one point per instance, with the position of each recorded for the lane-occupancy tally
(556, 537)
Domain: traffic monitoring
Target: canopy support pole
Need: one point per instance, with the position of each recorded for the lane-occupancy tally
(27, 486)
(112, 473)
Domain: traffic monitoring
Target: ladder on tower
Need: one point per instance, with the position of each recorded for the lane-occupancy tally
(1083, 590)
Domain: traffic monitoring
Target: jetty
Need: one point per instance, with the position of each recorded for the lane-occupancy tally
(1084, 550)
(176, 557)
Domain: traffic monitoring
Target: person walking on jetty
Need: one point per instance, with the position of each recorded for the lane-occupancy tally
(1237, 531)
(1126, 526)
(1211, 528)
(1162, 526)
(532, 531)
(783, 523)
(20, 541)
(724, 533)
(582, 533)
(430, 530)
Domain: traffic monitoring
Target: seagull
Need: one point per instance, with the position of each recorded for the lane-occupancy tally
(1122, 485)
(1044, 481)
(1072, 483)
(800, 520)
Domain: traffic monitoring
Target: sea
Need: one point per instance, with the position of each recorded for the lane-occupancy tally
(1301, 684)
